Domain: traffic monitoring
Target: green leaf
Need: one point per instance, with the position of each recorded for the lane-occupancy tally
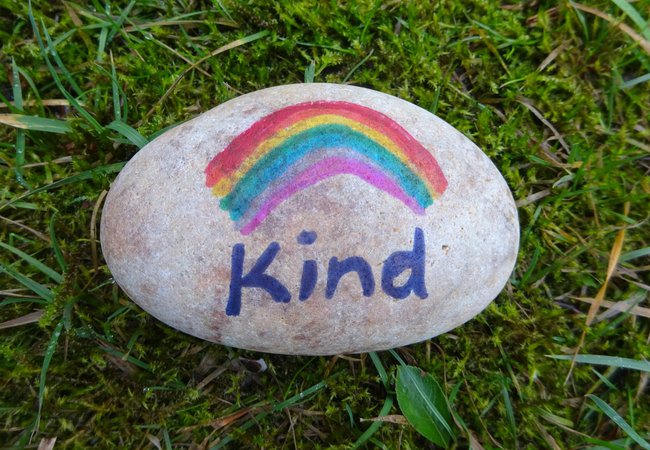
(604, 360)
(618, 420)
(35, 123)
(424, 405)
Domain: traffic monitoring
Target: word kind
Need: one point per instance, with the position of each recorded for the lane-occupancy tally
(396, 264)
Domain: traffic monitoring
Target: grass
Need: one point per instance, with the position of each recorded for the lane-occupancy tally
(556, 93)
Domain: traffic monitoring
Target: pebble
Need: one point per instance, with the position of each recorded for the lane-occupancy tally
(311, 219)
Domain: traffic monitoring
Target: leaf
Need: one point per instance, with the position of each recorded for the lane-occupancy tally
(35, 123)
(604, 360)
(618, 420)
(424, 405)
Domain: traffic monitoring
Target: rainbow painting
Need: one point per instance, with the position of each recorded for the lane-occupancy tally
(300, 145)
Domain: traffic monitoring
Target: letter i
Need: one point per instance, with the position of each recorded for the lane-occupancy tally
(309, 267)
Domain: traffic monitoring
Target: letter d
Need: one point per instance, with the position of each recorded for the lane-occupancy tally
(398, 262)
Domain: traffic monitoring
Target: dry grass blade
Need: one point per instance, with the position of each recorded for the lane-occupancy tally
(25, 227)
(93, 229)
(52, 102)
(600, 295)
(24, 320)
(186, 23)
(181, 56)
(223, 422)
(552, 443)
(529, 105)
(532, 198)
(618, 306)
(392, 418)
(551, 56)
(613, 261)
(229, 46)
(643, 43)
(35, 123)
(47, 444)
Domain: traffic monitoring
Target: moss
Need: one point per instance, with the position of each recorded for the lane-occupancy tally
(119, 378)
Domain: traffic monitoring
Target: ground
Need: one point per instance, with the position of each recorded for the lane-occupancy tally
(556, 94)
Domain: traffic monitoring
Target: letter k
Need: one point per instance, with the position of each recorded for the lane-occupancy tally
(256, 278)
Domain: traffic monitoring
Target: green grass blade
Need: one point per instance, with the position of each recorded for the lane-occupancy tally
(128, 132)
(11, 301)
(57, 80)
(634, 254)
(58, 254)
(49, 353)
(36, 264)
(604, 360)
(376, 360)
(278, 407)
(82, 176)
(131, 359)
(359, 64)
(115, 87)
(51, 49)
(32, 86)
(30, 284)
(372, 429)
(34, 123)
(310, 71)
(510, 414)
(397, 356)
(633, 14)
(17, 90)
(167, 440)
(618, 420)
(633, 82)
(20, 134)
(101, 46)
(120, 20)
(223, 9)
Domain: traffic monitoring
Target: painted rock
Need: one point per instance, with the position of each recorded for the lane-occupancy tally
(311, 219)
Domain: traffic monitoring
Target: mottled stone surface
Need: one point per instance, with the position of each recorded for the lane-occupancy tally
(172, 248)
